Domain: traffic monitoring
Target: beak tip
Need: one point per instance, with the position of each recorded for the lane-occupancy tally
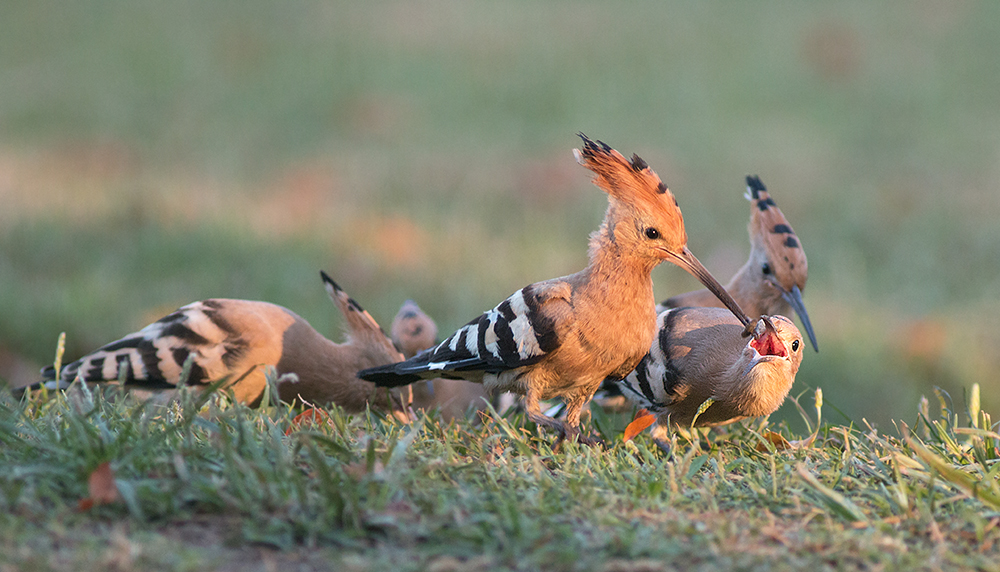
(794, 298)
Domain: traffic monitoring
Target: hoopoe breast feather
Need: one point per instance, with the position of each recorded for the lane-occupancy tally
(563, 337)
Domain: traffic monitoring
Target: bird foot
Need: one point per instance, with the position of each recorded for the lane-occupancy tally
(567, 433)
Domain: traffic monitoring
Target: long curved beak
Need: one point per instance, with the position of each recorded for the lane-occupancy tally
(688, 262)
(794, 299)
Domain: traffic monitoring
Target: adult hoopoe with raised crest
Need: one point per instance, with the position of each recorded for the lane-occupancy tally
(772, 280)
(236, 340)
(564, 336)
(701, 354)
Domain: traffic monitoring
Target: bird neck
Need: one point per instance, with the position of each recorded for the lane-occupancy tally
(613, 264)
(618, 281)
(759, 387)
(752, 292)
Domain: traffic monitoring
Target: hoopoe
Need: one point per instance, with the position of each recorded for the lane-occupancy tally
(414, 331)
(236, 340)
(772, 280)
(564, 336)
(700, 354)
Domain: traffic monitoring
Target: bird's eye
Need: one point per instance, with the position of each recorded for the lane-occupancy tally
(795, 345)
(766, 269)
(652, 233)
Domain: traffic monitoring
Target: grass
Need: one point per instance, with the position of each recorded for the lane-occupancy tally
(204, 483)
(153, 154)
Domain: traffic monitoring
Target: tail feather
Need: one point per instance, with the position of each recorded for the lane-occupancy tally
(50, 384)
(390, 376)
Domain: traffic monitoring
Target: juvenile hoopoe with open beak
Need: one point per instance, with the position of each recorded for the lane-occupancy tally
(701, 354)
(236, 340)
(772, 280)
(414, 331)
(564, 336)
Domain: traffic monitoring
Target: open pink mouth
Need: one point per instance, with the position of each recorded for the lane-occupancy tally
(768, 343)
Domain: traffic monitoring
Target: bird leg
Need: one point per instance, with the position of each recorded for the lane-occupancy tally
(569, 430)
(535, 415)
(574, 407)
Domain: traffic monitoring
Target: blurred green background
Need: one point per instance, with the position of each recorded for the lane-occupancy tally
(157, 153)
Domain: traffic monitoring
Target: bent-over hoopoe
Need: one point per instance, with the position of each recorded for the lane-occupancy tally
(236, 340)
(564, 336)
(700, 354)
(772, 280)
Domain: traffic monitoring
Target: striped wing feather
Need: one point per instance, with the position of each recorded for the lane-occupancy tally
(153, 357)
(518, 332)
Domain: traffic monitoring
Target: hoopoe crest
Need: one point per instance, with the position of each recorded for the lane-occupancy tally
(774, 276)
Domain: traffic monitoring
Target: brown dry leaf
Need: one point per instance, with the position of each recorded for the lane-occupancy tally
(779, 442)
(311, 416)
(101, 486)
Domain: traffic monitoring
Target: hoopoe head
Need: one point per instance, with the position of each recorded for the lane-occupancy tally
(643, 217)
(412, 330)
(769, 363)
(776, 255)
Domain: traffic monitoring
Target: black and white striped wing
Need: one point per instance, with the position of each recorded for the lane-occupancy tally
(654, 383)
(519, 332)
(154, 357)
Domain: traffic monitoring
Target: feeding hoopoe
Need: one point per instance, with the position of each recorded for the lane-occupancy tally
(772, 280)
(700, 354)
(236, 340)
(564, 336)
(414, 331)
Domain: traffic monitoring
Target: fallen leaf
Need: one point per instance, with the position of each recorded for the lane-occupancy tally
(311, 416)
(643, 419)
(101, 486)
(779, 442)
